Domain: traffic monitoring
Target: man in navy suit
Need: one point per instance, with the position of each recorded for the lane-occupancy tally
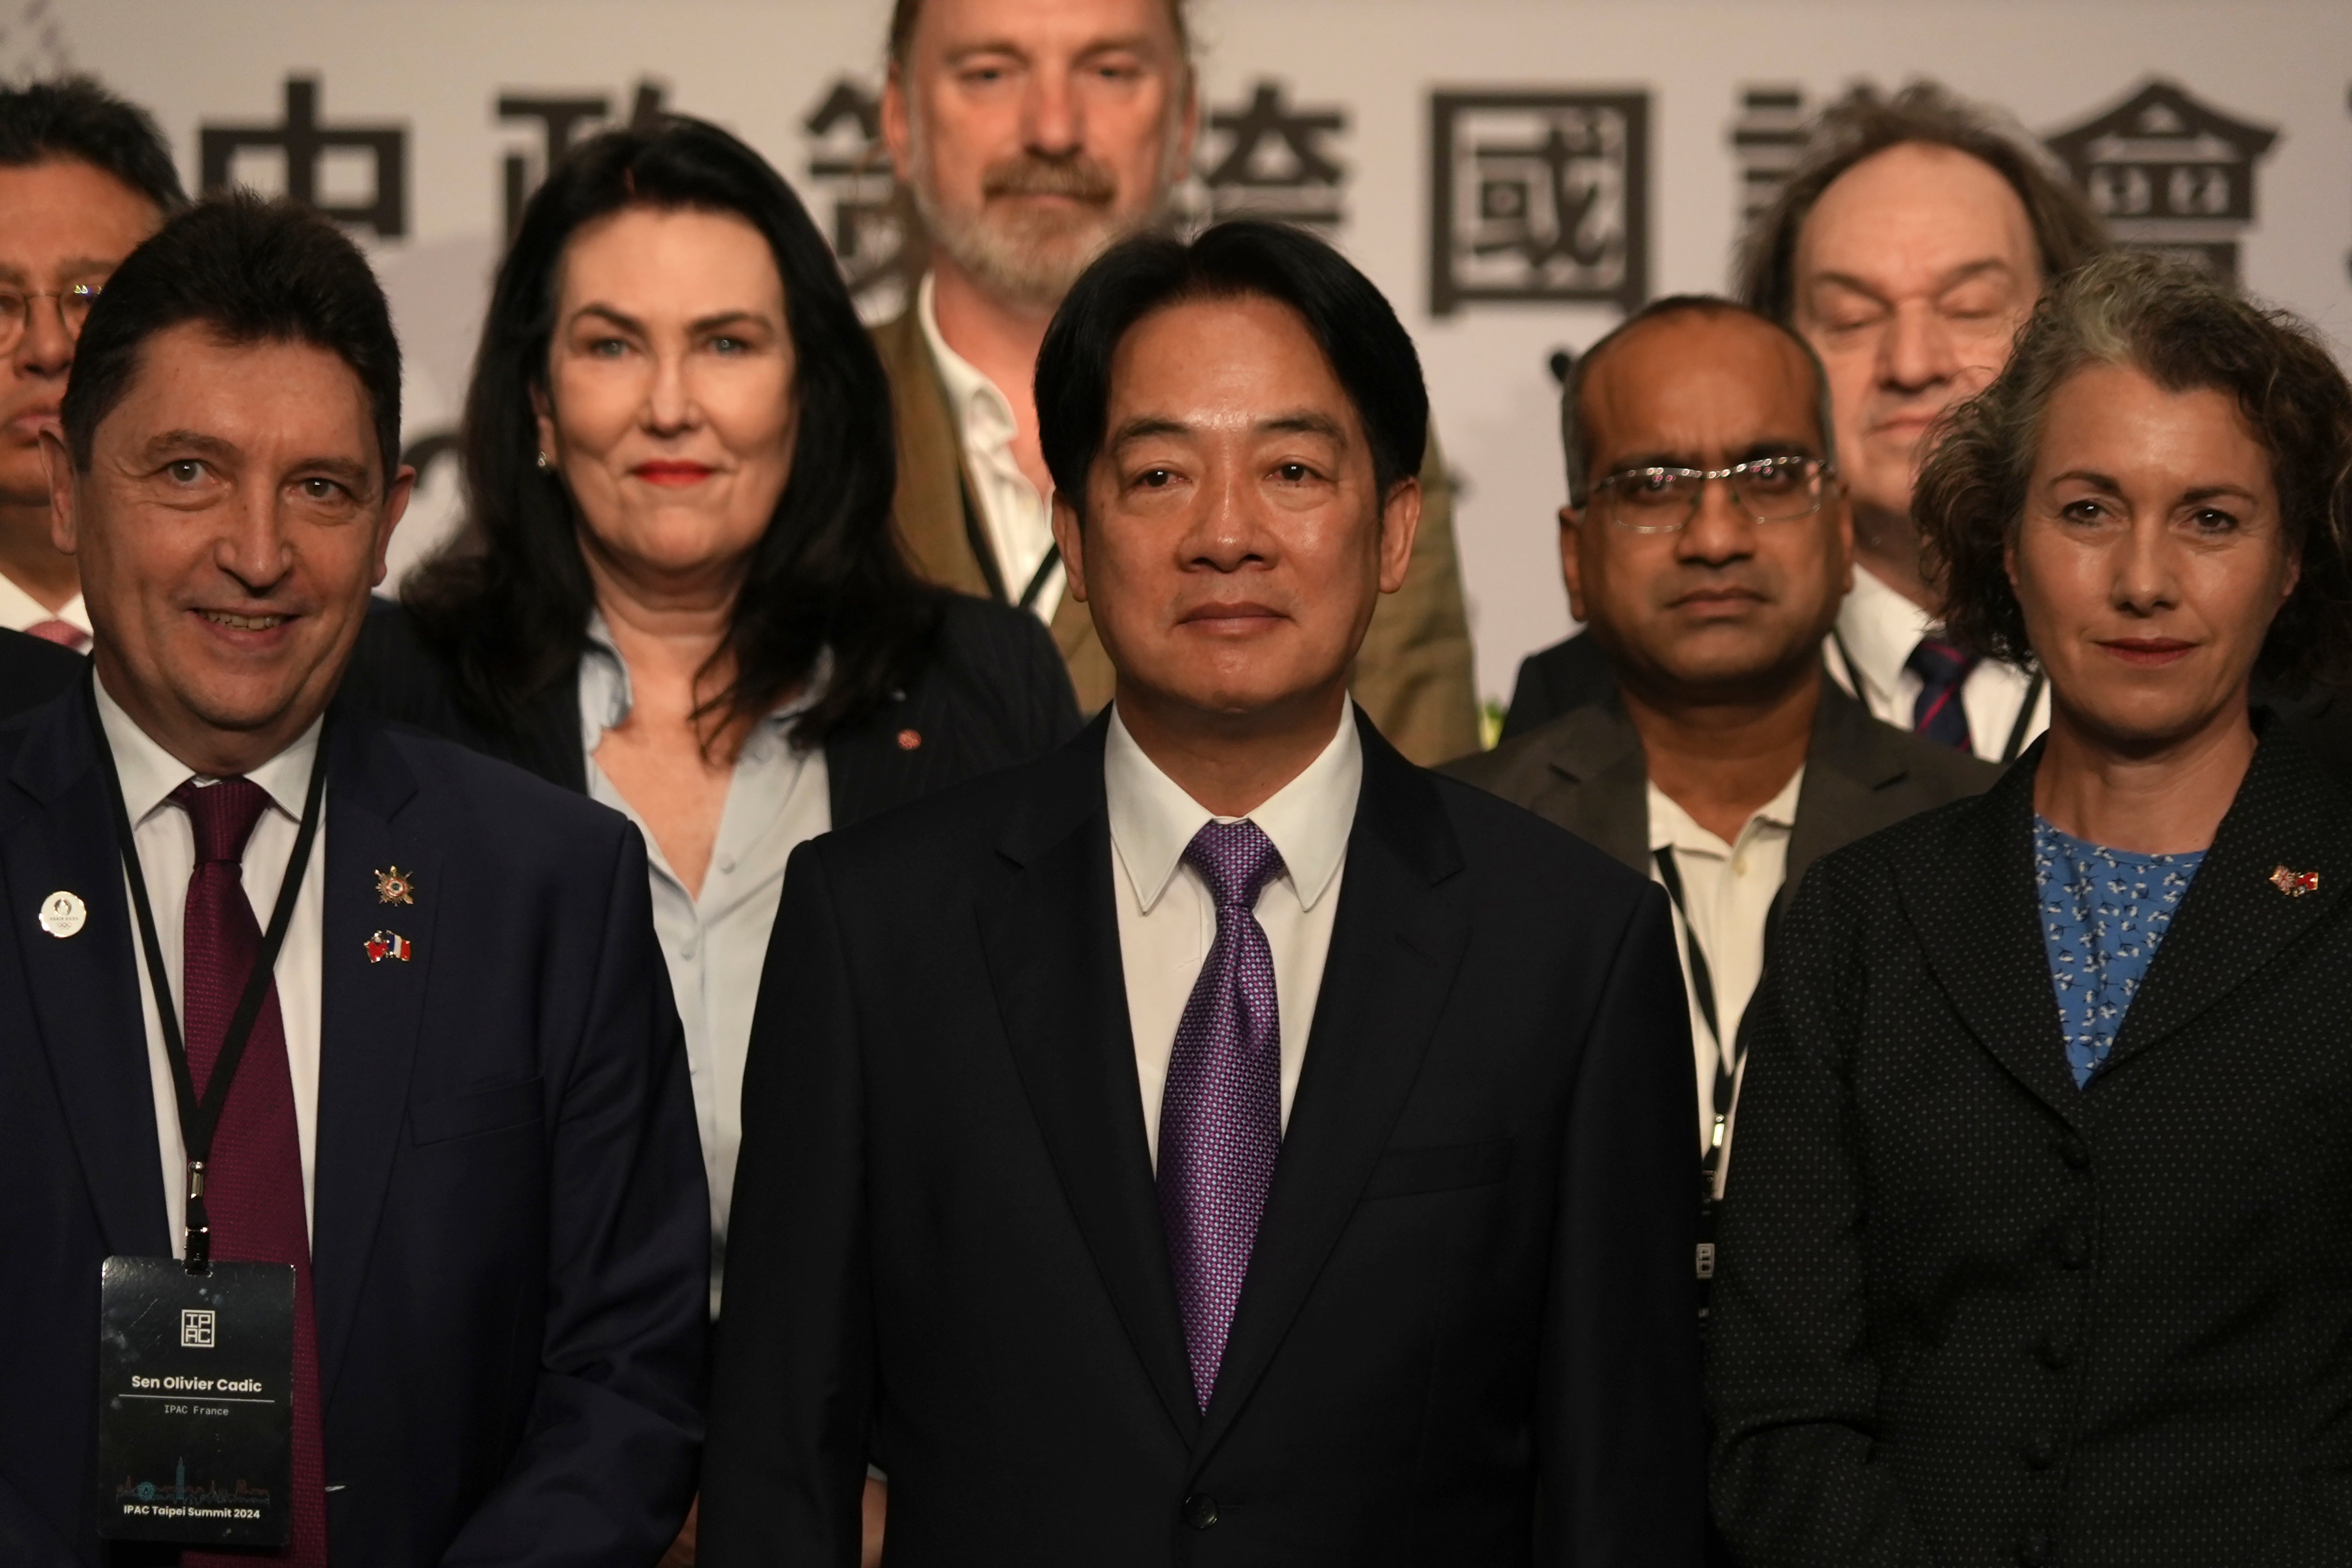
(461, 1114)
(1221, 1142)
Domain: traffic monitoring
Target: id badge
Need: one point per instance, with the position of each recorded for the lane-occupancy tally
(195, 1416)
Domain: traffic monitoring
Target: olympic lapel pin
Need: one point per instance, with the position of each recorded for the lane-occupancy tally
(63, 914)
(387, 944)
(2294, 884)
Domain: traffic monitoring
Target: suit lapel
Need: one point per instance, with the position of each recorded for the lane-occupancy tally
(1976, 906)
(370, 1014)
(929, 505)
(84, 988)
(1395, 946)
(1604, 793)
(2288, 812)
(1050, 936)
(1847, 762)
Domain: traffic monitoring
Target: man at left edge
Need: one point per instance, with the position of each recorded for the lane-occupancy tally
(472, 1140)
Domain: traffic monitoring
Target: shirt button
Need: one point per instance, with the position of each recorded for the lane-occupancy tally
(2040, 1451)
(726, 864)
(686, 949)
(2074, 1151)
(1199, 1510)
(1739, 867)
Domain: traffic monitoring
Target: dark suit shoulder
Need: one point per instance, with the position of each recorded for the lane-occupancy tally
(509, 811)
(393, 671)
(1553, 681)
(33, 671)
(1514, 766)
(1877, 862)
(996, 640)
(1505, 841)
(1942, 772)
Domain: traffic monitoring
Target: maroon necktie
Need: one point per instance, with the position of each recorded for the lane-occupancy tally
(253, 1187)
(1943, 669)
(65, 634)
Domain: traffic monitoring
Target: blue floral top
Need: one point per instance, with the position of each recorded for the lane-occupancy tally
(2103, 914)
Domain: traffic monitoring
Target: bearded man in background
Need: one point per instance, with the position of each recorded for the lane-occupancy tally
(1031, 135)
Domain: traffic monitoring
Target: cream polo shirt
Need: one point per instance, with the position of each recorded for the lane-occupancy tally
(1727, 892)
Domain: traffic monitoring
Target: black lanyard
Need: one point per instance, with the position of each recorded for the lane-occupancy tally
(2017, 731)
(1726, 1067)
(199, 1119)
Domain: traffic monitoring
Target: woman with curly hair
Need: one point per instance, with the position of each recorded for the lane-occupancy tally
(2040, 1246)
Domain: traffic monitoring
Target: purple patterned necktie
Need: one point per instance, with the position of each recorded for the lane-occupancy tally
(1220, 1114)
(1943, 669)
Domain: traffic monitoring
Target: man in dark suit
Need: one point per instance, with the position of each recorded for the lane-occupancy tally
(1705, 545)
(1219, 1141)
(459, 1117)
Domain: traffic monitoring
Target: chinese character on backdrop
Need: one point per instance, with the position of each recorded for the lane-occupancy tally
(1263, 155)
(2168, 173)
(873, 226)
(1539, 196)
(565, 119)
(1767, 139)
(355, 174)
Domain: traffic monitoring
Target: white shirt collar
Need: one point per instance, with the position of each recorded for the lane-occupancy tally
(1309, 819)
(19, 610)
(150, 774)
(1879, 628)
(1672, 827)
(983, 415)
(606, 697)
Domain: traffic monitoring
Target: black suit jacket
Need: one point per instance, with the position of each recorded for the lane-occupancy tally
(1968, 1313)
(32, 671)
(1568, 675)
(1585, 771)
(1464, 1337)
(510, 1233)
(992, 692)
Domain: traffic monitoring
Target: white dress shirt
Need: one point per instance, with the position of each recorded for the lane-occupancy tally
(1016, 515)
(1168, 920)
(716, 945)
(1878, 627)
(167, 858)
(19, 610)
(1727, 891)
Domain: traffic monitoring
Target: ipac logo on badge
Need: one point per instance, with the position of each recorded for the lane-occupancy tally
(195, 1329)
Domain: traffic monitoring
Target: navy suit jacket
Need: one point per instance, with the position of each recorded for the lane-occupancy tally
(510, 1231)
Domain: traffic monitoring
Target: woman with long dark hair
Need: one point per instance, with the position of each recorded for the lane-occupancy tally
(2036, 1248)
(677, 588)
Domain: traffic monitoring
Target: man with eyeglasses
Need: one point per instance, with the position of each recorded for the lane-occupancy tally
(85, 177)
(1706, 544)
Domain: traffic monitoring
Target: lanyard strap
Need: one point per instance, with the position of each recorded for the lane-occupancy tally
(1727, 1076)
(200, 1118)
(1037, 578)
(2017, 731)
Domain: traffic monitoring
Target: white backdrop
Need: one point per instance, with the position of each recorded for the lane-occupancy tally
(1585, 137)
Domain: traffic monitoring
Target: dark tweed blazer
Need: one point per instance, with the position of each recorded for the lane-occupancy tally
(1968, 1313)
